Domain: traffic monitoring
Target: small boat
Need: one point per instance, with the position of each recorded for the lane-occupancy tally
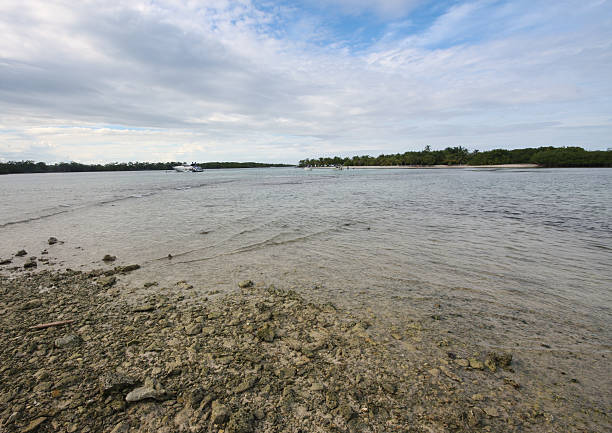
(188, 168)
(308, 168)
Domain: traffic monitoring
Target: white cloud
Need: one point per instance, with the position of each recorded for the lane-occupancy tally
(218, 82)
(384, 8)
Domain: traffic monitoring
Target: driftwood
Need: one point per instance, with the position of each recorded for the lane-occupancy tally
(50, 324)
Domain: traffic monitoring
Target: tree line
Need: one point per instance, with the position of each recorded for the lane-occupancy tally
(12, 167)
(543, 156)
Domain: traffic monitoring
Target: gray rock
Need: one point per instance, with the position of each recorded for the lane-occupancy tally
(122, 427)
(109, 258)
(462, 362)
(30, 264)
(193, 329)
(491, 411)
(128, 268)
(144, 393)
(240, 422)
(495, 360)
(34, 424)
(245, 385)
(21, 253)
(388, 387)
(68, 380)
(331, 400)
(476, 364)
(5, 261)
(115, 382)
(266, 333)
(245, 284)
(107, 281)
(43, 387)
(67, 341)
(220, 413)
(52, 240)
(144, 308)
(346, 412)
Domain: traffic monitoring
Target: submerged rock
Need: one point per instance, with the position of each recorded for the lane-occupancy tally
(128, 268)
(30, 264)
(245, 284)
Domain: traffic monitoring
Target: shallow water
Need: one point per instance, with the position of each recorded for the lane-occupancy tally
(519, 259)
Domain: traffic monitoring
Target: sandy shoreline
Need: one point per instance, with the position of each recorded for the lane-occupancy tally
(178, 358)
(365, 167)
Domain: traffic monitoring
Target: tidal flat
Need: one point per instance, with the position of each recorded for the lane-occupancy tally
(83, 351)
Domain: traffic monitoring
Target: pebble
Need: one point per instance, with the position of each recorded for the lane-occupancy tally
(30, 264)
(107, 281)
(34, 424)
(491, 411)
(266, 333)
(193, 329)
(220, 413)
(476, 364)
(52, 240)
(128, 268)
(122, 427)
(389, 387)
(144, 393)
(462, 362)
(67, 340)
(245, 284)
(115, 382)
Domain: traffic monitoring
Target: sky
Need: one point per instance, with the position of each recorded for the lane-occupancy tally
(278, 81)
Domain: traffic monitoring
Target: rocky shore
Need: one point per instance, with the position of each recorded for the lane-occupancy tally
(81, 352)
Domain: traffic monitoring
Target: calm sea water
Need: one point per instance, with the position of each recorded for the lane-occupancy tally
(519, 258)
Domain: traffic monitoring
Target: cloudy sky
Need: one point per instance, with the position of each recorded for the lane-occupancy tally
(279, 80)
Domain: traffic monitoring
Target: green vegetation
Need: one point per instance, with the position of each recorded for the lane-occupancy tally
(543, 156)
(62, 167)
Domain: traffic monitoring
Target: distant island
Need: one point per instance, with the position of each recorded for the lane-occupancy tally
(13, 167)
(452, 156)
